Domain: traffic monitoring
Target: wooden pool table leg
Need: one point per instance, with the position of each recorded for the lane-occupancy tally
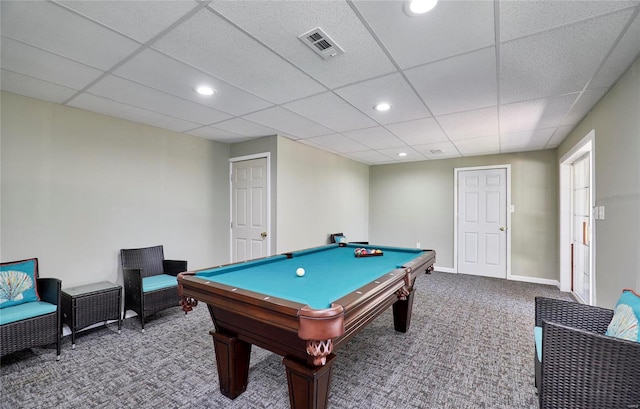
(402, 312)
(232, 359)
(308, 386)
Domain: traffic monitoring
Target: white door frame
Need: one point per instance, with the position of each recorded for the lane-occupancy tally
(266, 155)
(456, 171)
(586, 144)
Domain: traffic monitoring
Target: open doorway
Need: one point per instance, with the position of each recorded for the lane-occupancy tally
(577, 232)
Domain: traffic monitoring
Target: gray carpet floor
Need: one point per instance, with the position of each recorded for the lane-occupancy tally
(470, 345)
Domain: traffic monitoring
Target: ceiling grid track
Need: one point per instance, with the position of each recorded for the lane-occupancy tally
(137, 51)
(393, 61)
(496, 24)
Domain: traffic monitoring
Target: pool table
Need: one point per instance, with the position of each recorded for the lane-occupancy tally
(305, 318)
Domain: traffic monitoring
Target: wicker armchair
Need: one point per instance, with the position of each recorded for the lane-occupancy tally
(141, 263)
(581, 367)
(36, 331)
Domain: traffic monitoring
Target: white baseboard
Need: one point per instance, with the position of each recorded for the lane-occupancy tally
(66, 331)
(535, 280)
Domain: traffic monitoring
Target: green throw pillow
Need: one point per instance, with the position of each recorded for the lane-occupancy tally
(18, 282)
(626, 317)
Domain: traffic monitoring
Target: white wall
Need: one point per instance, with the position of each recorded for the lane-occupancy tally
(616, 122)
(79, 186)
(319, 193)
(414, 202)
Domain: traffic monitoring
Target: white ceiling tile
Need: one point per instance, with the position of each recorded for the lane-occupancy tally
(249, 52)
(485, 145)
(375, 138)
(286, 122)
(451, 28)
(219, 135)
(40, 64)
(560, 134)
(582, 107)
(421, 131)
(119, 110)
(535, 114)
(245, 128)
(128, 92)
(525, 141)
(558, 61)
(330, 111)
(521, 18)
(458, 84)
(470, 124)
(625, 53)
(440, 150)
(233, 56)
(411, 154)
(35, 88)
(140, 20)
(263, 20)
(336, 143)
(159, 71)
(370, 157)
(65, 33)
(393, 89)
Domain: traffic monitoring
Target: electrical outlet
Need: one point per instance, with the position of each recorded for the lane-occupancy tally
(418, 245)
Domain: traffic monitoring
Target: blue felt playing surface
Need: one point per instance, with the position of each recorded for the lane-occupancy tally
(331, 272)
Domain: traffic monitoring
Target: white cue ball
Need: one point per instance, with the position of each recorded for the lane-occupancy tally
(300, 272)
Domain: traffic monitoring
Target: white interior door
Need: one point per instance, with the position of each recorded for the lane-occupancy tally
(581, 227)
(249, 203)
(482, 222)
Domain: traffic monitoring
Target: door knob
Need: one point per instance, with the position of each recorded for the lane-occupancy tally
(263, 234)
(503, 228)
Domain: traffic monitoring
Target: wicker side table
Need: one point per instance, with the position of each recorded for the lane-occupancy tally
(90, 304)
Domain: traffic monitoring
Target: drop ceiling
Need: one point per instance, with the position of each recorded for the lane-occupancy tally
(468, 78)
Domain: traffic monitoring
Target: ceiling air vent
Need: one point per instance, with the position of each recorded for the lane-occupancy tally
(321, 43)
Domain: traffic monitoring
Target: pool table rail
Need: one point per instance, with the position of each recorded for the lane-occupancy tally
(304, 336)
(282, 326)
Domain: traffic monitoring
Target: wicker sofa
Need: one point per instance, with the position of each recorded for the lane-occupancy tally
(34, 330)
(141, 265)
(581, 367)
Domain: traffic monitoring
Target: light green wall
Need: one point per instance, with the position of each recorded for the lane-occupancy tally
(318, 194)
(616, 121)
(79, 186)
(414, 202)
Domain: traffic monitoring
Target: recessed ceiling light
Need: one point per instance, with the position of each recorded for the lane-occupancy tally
(205, 90)
(402, 154)
(418, 7)
(382, 106)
